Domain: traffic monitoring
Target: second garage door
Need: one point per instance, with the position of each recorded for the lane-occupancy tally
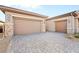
(61, 26)
(24, 26)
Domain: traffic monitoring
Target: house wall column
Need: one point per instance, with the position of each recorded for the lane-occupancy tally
(71, 25)
(77, 25)
(9, 25)
(43, 26)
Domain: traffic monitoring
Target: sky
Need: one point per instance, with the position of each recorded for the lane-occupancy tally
(53, 10)
(48, 10)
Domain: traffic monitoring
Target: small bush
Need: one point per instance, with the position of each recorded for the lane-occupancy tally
(76, 35)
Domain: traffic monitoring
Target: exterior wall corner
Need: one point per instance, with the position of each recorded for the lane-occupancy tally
(71, 25)
(8, 25)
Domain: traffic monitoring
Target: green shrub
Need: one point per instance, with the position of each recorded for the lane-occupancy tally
(76, 35)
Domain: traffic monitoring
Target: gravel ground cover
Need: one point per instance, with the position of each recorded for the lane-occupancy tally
(1, 35)
(49, 42)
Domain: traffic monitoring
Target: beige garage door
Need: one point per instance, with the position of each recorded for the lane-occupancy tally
(24, 26)
(61, 26)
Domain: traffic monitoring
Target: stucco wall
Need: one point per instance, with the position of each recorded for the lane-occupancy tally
(25, 16)
(50, 25)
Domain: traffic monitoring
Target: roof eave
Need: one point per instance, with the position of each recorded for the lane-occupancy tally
(10, 9)
(63, 15)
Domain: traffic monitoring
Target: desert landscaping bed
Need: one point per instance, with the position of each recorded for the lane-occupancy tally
(1, 35)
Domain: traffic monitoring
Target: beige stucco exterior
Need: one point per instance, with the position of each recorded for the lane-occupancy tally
(50, 25)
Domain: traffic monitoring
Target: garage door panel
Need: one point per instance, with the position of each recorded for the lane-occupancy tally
(24, 26)
(61, 26)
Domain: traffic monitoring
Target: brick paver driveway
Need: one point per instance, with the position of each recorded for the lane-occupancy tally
(43, 42)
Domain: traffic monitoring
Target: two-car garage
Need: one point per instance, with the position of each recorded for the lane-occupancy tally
(26, 26)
